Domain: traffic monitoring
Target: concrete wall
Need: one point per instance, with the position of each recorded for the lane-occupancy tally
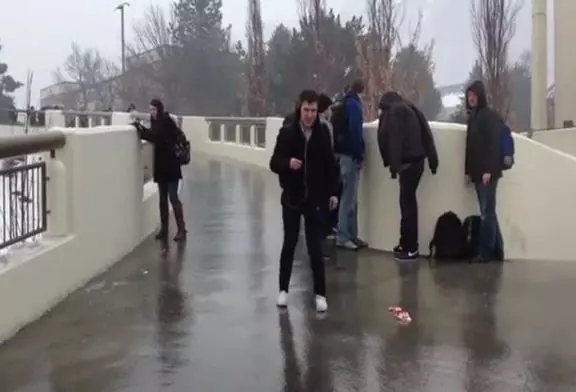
(564, 62)
(535, 225)
(99, 211)
(559, 139)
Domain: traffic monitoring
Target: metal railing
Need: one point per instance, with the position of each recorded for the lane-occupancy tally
(243, 131)
(23, 181)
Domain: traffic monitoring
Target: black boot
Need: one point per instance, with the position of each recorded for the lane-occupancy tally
(180, 224)
(163, 232)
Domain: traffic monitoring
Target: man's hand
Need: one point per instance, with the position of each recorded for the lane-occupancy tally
(486, 178)
(333, 203)
(295, 164)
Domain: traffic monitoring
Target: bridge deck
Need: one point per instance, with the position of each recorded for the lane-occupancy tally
(203, 318)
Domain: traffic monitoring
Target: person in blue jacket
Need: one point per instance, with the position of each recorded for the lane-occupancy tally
(350, 152)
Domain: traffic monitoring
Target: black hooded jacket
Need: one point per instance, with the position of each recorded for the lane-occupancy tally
(163, 134)
(317, 180)
(483, 142)
(404, 135)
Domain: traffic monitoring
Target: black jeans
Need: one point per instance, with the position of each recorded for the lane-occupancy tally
(313, 224)
(409, 179)
(168, 191)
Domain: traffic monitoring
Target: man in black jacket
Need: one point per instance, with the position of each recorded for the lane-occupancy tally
(405, 141)
(483, 167)
(304, 161)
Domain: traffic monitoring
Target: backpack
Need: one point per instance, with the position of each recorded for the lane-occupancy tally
(182, 149)
(339, 121)
(449, 237)
(507, 143)
(471, 228)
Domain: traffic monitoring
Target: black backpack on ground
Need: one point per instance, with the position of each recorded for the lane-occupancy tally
(449, 237)
(339, 121)
(471, 228)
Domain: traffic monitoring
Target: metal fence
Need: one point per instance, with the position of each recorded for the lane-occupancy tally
(23, 194)
(23, 180)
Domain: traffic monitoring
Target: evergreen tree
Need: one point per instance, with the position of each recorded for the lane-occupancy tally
(209, 70)
(7, 86)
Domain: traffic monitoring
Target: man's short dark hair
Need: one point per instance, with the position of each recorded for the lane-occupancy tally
(324, 102)
(309, 96)
(358, 86)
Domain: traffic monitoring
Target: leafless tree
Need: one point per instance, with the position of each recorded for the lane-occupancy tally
(152, 60)
(375, 51)
(493, 27)
(256, 72)
(313, 11)
(94, 75)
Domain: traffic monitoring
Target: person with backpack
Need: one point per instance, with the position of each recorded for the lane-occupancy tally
(348, 128)
(405, 142)
(483, 167)
(304, 161)
(165, 135)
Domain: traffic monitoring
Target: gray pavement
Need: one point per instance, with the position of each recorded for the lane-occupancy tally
(202, 318)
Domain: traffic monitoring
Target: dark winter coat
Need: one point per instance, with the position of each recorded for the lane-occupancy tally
(317, 180)
(483, 138)
(404, 135)
(163, 134)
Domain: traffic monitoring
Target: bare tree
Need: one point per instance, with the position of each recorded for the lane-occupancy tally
(94, 75)
(256, 83)
(493, 27)
(375, 51)
(152, 60)
(313, 12)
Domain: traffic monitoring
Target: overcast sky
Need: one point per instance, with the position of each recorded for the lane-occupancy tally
(37, 34)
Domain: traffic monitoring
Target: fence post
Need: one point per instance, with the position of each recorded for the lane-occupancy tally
(57, 200)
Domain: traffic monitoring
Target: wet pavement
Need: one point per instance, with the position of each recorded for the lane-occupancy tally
(203, 318)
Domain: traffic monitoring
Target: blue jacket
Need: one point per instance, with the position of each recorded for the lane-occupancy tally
(356, 148)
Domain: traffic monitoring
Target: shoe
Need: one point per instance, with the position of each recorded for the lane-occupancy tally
(360, 243)
(397, 249)
(162, 235)
(321, 304)
(282, 300)
(331, 237)
(180, 223)
(349, 245)
(406, 255)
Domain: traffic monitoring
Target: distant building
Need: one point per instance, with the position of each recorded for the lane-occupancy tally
(134, 85)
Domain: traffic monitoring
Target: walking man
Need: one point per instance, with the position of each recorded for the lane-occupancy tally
(349, 145)
(306, 168)
(484, 167)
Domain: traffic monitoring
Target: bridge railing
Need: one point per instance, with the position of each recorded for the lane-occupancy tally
(23, 184)
(247, 131)
(84, 119)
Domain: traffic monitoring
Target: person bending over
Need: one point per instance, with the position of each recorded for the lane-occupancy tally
(306, 168)
(405, 141)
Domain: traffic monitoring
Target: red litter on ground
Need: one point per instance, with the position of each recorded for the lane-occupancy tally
(402, 316)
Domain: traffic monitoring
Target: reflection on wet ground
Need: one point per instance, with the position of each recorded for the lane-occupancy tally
(203, 318)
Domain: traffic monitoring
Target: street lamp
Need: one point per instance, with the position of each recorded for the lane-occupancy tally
(121, 8)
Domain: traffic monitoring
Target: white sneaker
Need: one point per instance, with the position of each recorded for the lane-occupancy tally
(282, 300)
(321, 304)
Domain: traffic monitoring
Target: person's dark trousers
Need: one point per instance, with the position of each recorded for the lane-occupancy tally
(313, 231)
(168, 191)
(491, 244)
(410, 176)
